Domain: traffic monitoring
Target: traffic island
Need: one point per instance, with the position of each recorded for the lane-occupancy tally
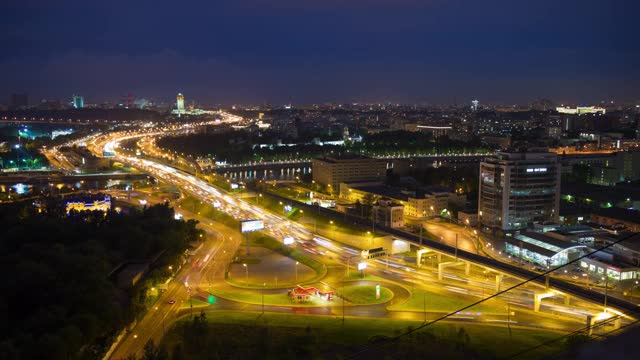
(266, 268)
(366, 294)
(424, 300)
(277, 297)
(194, 304)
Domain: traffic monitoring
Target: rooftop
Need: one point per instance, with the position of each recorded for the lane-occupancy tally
(381, 190)
(541, 243)
(632, 216)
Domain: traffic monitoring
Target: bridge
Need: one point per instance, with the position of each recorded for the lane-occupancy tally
(37, 177)
(464, 258)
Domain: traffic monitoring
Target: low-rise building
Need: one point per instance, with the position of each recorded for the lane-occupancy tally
(417, 204)
(617, 218)
(543, 250)
(389, 213)
(89, 203)
(468, 218)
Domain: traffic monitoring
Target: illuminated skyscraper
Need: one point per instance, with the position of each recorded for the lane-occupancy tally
(474, 105)
(180, 103)
(78, 102)
(518, 188)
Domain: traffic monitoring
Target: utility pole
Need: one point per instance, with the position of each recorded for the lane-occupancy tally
(343, 304)
(247, 243)
(606, 290)
(373, 220)
(424, 306)
(456, 246)
(509, 318)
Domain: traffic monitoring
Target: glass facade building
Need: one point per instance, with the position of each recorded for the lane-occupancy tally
(519, 188)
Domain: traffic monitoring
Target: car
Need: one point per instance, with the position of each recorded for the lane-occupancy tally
(172, 301)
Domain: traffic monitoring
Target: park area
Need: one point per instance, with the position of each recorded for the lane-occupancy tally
(246, 335)
(264, 267)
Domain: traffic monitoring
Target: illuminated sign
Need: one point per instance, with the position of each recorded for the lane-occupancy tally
(251, 225)
(234, 186)
(536, 170)
(362, 266)
(377, 291)
(288, 240)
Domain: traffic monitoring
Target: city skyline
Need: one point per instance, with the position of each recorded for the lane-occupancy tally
(371, 179)
(251, 52)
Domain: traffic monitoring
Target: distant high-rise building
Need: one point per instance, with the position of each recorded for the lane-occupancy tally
(518, 188)
(345, 133)
(78, 102)
(474, 105)
(180, 103)
(18, 101)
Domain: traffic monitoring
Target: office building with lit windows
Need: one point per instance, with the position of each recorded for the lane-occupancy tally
(331, 171)
(518, 188)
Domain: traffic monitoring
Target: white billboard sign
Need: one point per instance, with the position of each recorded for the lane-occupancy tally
(251, 225)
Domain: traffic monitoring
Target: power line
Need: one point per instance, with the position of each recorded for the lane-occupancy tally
(549, 342)
(394, 338)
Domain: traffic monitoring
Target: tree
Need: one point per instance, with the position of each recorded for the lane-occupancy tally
(152, 352)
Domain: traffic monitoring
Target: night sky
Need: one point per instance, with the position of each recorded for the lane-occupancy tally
(303, 51)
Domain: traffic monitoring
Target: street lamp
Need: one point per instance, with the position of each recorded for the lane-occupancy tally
(297, 272)
(333, 229)
(246, 270)
(362, 266)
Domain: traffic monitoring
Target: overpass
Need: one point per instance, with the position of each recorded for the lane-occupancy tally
(475, 259)
(261, 166)
(58, 177)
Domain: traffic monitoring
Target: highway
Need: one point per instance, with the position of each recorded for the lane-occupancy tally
(151, 326)
(216, 253)
(244, 210)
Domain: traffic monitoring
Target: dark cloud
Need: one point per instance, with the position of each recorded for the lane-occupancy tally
(313, 51)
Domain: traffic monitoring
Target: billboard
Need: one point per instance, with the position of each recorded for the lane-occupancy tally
(251, 225)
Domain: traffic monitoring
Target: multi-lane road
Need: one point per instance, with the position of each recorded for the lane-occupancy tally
(226, 241)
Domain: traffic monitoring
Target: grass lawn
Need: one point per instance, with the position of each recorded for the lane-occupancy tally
(330, 334)
(269, 242)
(437, 302)
(196, 304)
(361, 294)
(311, 218)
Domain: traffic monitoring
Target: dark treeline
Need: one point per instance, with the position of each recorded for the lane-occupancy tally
(58, 301)
(109, 114)
(238, 147)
